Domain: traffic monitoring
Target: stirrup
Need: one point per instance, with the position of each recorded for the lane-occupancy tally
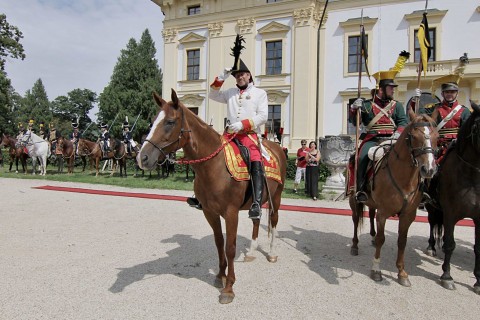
(426, 198)
(255, 211)
(194, 203)
(361, 196)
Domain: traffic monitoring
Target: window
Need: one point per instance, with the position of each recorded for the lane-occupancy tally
(273, 57)
(193, 10)
(354, 52)
(193, 64)
(274, 118)
(432, 32)
(194, 110)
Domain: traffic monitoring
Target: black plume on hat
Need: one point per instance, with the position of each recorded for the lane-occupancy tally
(236, 51)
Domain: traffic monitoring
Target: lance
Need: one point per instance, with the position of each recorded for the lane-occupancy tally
(87, 128)
(420, 67)
(111, 126)
(135, 122)
(357, 115)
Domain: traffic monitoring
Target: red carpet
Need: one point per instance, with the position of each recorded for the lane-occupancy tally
(286, 207)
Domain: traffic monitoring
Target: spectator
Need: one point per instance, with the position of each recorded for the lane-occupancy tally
(311, 176)
(301, 163)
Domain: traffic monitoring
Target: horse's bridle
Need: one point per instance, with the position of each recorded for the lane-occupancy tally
(414, 153)
(180, 136)
(417, 152)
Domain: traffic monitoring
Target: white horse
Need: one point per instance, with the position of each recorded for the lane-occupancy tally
(37, 147)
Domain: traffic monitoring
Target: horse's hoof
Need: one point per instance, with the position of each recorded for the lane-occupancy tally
(225, 298)
(16, 171)
(272, 259)
(219, 282)
(354, 251)
(431, 253)
(448, 284)
(248, 258)
(376, 275)
(373, 242)
(404, 281)
(476, 289)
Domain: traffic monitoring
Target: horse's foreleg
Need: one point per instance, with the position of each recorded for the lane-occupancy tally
(376, 273)
(231, 225)
(448, 247)
(406, 220)
(273, 210)
(476, 250)
(216, 225)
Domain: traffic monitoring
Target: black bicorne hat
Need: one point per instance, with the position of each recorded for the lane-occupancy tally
(74, 124)
(125, 123)
(103, 125)
(238, 64)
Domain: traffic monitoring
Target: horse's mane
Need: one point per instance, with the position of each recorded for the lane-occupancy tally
(469, 129)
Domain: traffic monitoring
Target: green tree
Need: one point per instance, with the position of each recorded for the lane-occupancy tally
(129, 92)
(9, 41)
(77, 102)
(34, 105)
(6, 90)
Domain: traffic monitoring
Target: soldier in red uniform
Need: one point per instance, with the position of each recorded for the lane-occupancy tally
(382, 117)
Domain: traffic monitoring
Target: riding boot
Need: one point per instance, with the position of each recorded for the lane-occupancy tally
(258, 179)
(361, 195)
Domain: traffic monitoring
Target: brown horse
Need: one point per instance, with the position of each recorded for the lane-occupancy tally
(15, 151)
(93, 150)
(395, 189)
(177, 127)
(68, 153)
(456, 193)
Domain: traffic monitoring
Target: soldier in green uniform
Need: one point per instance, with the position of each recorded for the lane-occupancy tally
(382, 116)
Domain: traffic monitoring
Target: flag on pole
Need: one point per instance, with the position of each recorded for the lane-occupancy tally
(364, 49)
(423, 36)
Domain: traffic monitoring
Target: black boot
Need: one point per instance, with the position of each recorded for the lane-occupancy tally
(193, 202)
(257, 182)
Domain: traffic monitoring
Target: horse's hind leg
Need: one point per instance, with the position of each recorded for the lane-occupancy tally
(273, 210)
(371, 215)
(448, 247)
(250, 255)
(357, 218)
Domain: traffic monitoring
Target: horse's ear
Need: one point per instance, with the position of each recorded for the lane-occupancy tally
(475, 107)
(175, 100)
(158, 100)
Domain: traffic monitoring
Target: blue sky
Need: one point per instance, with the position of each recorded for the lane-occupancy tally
(76, 43)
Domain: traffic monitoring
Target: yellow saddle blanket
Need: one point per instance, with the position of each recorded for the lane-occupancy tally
(238, 168)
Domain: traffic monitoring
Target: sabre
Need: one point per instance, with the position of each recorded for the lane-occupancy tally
(133, 127)
(87, 128)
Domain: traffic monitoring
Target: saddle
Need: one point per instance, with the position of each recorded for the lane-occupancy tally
(238, 166)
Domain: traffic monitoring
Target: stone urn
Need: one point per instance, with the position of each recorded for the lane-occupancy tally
(335, 152)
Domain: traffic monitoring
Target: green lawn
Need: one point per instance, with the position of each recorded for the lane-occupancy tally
(173, 182)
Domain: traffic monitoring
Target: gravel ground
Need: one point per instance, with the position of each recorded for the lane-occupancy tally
(79, 256)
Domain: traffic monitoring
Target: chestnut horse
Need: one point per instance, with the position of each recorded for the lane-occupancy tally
(68, 153)
(93, 150)
(15, 151)
(177, 127)
(456, 193)
(394, 189)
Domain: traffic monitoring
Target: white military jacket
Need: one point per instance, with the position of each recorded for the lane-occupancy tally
(251, 104)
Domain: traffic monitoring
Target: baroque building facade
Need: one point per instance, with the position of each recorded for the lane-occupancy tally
(304, 54)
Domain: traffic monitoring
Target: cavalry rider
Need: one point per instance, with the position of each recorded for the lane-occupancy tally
(247, 110)
(127, 137)
(451, 114)
(53, 135)
(382, 117)
(30, 126)
(21, 131)
(42, 132)
(75, 135)
(105, 136)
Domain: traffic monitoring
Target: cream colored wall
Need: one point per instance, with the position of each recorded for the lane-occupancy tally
(298, 21)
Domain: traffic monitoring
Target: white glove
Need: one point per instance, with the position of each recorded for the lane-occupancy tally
(418, 93)
(235, 127)
(357, 104)
(395, 135)
(226, 73)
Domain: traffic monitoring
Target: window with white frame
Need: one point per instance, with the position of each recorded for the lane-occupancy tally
(273, 124)
(273, 57)
(193, 64)
(193, 10)
(433, 34)
(355, 53)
